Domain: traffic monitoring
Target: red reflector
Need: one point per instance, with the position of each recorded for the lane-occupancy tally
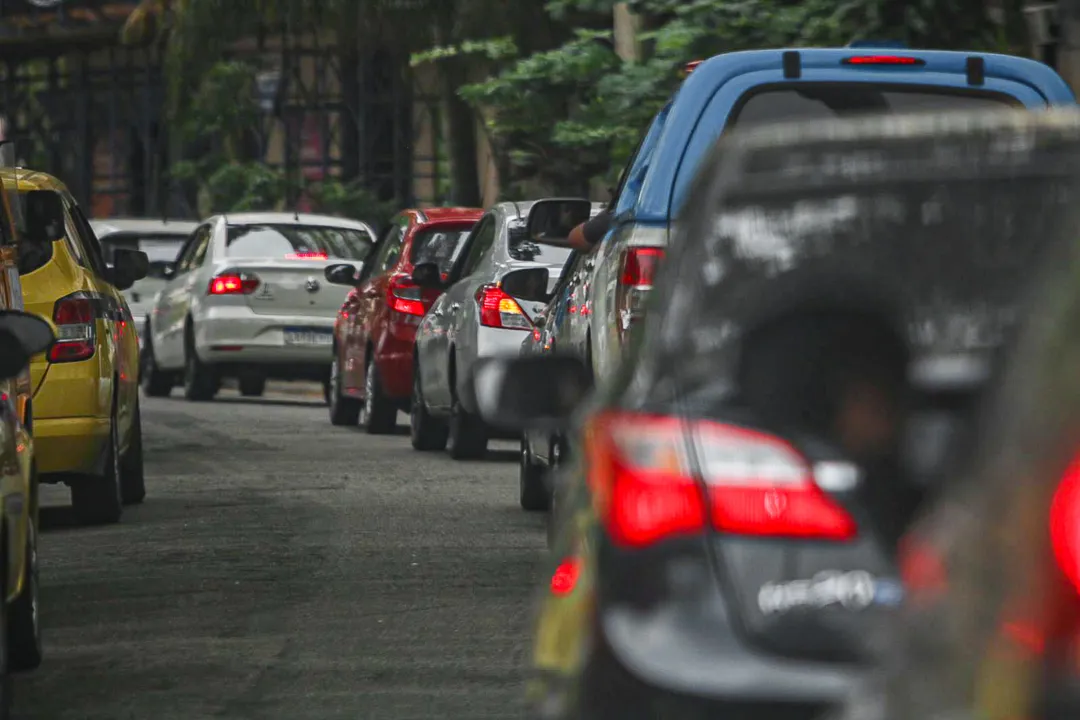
(922, 570)
(639, 266)
(882, 60)
(565, 578)
(308, 255)
(751, 484)
(1065, 523)
(233, 284)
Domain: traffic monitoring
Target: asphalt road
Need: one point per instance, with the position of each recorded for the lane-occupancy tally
(284, 568)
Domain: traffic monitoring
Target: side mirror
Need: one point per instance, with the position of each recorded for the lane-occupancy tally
(22, 336)
(341, 274)
(427, 275)
(44, 215)
(129, 266)
(550, 221)
(537, 392)
(527, 284)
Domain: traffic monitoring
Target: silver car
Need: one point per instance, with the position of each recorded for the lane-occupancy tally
(247, 298)
(476, 317)
(161, 240)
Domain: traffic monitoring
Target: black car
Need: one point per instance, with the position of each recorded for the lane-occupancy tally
(827, 319)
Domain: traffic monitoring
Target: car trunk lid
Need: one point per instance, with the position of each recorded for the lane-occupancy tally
(290, 286)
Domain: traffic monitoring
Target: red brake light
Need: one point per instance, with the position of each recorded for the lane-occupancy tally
(308, 255)
(1065, 523)
(499, 310)
(233, 283)
(565, 577)
(882, 60)
(76, 334)
(638, 271)
(405, 297)
(754, 484)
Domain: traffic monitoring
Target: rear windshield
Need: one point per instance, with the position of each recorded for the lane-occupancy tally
(823, 101)
(159, 247)
(439, 246)
(522, 247)
(297, 241)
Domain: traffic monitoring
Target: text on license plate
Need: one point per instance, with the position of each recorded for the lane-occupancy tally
(308, 337)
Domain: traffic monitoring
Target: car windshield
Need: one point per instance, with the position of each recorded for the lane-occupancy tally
(966, 236)
(159, 247)
(824, 101)
(438, 245)
(297, 242)
(522, 247)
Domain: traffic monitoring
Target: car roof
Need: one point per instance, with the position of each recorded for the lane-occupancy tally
(445, 214)
(27, 180)
(108, 226)
(288, 218)
(663, 187)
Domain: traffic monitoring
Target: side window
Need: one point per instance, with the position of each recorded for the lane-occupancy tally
(193, 253)
(482, 239)
(634, 173)
(389, 249)
(85, 237)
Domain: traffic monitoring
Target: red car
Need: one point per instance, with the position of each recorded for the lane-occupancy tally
(371, 376)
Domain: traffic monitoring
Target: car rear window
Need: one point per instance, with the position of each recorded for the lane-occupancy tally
(809, 102)
(522, 247)
(297, 241)
(438, 245)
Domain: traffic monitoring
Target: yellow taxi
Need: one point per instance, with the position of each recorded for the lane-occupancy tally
(87, 429)
(21, 336)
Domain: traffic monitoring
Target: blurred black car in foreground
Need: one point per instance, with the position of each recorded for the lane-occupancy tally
(820, 336)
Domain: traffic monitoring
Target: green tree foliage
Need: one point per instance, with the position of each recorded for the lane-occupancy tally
(576, 109)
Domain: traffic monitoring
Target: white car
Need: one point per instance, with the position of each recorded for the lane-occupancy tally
(247, 298)
(478, 316)
(161, 240)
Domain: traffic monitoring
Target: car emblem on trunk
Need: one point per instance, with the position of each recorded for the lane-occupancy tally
(312, 285)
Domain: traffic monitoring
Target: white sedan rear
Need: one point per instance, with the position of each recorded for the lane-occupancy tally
(247, 298)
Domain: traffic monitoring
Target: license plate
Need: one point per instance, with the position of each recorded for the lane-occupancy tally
(308, 337)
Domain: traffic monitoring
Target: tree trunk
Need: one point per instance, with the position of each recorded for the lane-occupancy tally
(461, 122)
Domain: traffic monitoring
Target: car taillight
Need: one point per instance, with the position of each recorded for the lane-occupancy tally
(1065, 523)
(233, 283)
(499, 310)
(76, 335)
(405, 296)
(754, 484)
(308, 255)
(636, 279)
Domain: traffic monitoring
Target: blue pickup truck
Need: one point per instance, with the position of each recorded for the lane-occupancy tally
(763, 86)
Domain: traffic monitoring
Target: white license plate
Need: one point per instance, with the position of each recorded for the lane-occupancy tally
(308, 337)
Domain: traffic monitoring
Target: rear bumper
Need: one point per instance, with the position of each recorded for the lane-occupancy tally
(499, 342)
(69, 445)
(237, 335)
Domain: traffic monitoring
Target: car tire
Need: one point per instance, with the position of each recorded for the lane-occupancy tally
(154, 381)
(427, 433)
(132, 470)
(23, 623)
(468, 435)
(252, 384)
(97, 499)
(343, 410)
(379, 414)
(532, 493)
(200, 381)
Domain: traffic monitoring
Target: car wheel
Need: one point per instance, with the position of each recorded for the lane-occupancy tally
(200, 381)
(426, 432)
(252, 384)
(97, 498)
(132, 472)
(155, 382)
(379, 416)
(468, 435)
(24, 623)
(343, 410)
(532, 494)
